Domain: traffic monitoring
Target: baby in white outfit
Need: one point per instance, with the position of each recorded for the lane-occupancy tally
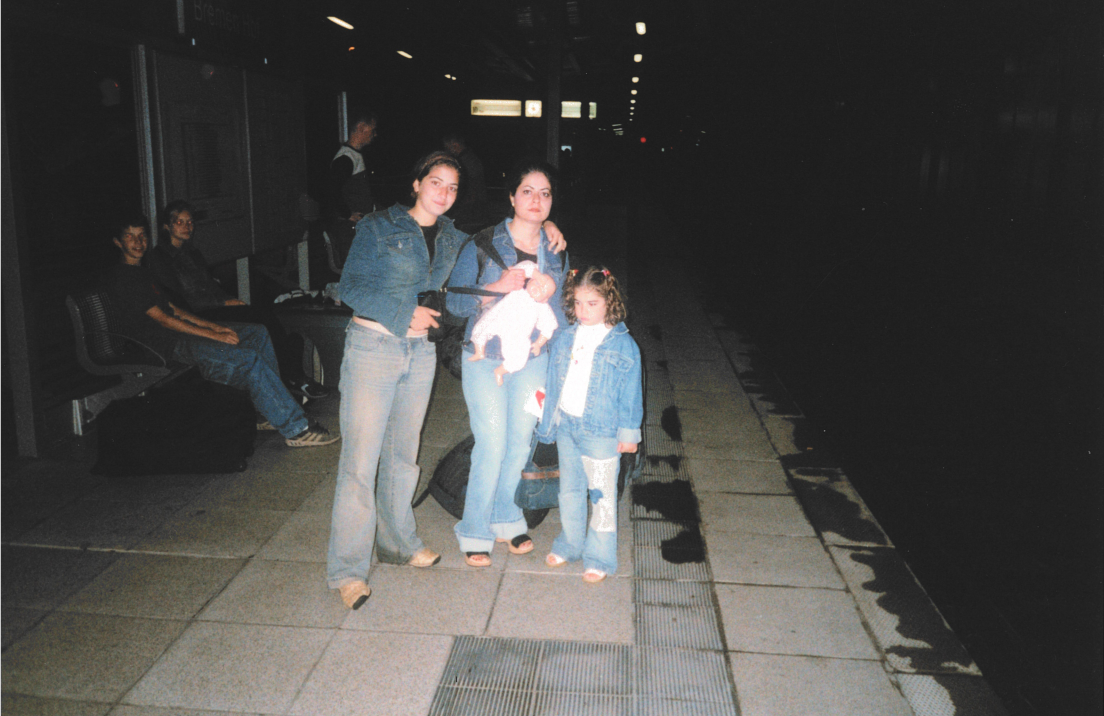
(513, 319)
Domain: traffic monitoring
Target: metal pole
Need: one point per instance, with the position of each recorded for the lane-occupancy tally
(552, 99)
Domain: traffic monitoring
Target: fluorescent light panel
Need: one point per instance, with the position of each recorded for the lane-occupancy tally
(496, 107)
(339, 21)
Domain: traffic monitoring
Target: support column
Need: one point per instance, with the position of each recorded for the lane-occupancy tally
(552, 106)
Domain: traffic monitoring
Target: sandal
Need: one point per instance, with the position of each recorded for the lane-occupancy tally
(518, 544)
(554, 560)
(593, 576)
(477, 559)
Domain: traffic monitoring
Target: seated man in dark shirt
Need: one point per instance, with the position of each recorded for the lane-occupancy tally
(182, 272)
(240, 356)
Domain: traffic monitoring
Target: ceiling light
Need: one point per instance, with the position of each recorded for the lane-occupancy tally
(449, 76)
(635, 80)
(351, 49)
(632, 101)
(407, 55)
(633, 92)
(641, 28)
(339, 21)
(638, 57)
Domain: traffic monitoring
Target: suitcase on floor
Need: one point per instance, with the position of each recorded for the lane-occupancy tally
(186, 427)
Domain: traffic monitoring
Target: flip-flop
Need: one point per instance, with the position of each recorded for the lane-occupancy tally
(554, 560)
(593, 576)
(518, 544)
(477, 559)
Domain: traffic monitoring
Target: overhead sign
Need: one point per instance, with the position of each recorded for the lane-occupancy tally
(496, 107)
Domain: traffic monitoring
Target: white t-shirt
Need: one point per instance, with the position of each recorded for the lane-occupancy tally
(573, 396)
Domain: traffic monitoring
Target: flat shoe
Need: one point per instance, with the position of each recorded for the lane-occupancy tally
(554, 560)
(354, 594)
(522, 544)
(425, 557)
(593, 576)
(477, 559)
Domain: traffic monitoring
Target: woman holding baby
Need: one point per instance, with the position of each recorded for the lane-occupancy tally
(502, 426)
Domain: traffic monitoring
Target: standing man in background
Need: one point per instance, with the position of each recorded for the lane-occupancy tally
(348, 193)
(470, 209)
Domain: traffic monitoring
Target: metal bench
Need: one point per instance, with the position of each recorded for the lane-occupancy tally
(102, 350)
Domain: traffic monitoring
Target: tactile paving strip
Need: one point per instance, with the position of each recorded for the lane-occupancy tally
(492, 663)
(653, 533)
(673, 594)
(659, 443)
(684, 627)
(905, 622)
(946, 695)
(483, 678)
(658, 497)
(589, 668)
(667, 707)
(650, 564)
(663, 468)
(683, 674)
(553, 704)
(477, 702)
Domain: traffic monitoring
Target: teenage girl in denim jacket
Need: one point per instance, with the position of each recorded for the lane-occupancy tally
(386, 377)
(593, 411)
(503, 429)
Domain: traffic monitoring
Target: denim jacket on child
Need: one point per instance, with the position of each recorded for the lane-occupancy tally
(467, 305)
(615, 395)
(388, 266)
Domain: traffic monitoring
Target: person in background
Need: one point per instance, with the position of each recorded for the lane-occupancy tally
(182, 271)
(348, 194)
(470, 210)
(238, 355)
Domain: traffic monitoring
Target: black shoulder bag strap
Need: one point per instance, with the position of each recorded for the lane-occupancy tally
(484, 244)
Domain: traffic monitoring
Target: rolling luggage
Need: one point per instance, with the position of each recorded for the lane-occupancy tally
(186, 427)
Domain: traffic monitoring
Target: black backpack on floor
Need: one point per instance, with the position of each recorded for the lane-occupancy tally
(186, 427)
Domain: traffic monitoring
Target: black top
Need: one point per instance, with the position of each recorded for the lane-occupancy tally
(134, 291)
(525, 256)
(430, 233)
(184, 276)
(347, 193)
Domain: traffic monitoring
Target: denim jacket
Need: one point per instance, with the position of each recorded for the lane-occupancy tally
(388, 266)
(466, 305)
(615, 395)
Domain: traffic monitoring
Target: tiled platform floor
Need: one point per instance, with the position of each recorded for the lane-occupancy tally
(753, 580)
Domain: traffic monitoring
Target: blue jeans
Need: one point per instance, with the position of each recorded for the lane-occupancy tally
(385, 387)
(250, 365)
(503, 436)
(588, 474)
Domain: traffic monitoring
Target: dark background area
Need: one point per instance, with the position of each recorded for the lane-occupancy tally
(900, 202)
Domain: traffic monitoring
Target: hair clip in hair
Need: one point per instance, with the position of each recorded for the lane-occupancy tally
(572, 273)
(605, 272)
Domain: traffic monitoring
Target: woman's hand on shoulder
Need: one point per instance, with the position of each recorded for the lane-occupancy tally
(424, 319)
(556, 239)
